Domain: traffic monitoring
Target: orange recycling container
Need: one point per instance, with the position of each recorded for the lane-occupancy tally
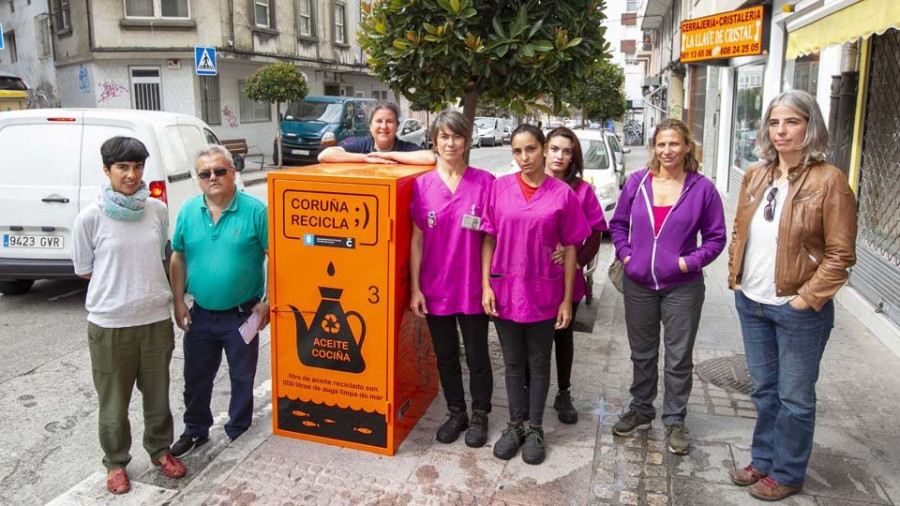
(351, 364)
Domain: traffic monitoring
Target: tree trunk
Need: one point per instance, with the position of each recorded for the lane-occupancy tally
(278, 134)
(470, 103)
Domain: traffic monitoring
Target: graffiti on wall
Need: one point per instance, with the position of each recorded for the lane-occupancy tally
(111, 89)
(231, 120)
(84, 82)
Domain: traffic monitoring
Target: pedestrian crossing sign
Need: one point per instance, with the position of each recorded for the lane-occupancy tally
(205, 61)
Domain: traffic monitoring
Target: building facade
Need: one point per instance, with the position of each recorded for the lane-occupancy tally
(626, 41)
(28, 49)
(846, 53)
(141, 54)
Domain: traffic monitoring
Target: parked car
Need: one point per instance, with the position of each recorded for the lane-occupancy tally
(600, 169)
(410, 130)
(618, 154)
(488, 131)
(317, 122)
(13, 92)
(52, 169)
(507, 134)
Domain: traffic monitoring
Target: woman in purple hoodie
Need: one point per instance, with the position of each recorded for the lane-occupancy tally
(661, 211)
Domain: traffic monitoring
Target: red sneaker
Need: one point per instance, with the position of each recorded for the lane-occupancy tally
(746, 476)
(170, 466)
(117, 482)
(768, 489)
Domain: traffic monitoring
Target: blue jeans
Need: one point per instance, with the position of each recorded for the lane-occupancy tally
(211, 333)
(784, 347)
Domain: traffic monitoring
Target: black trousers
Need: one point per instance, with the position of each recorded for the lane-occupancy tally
(445, 338)
(564, 339)
(526, 344)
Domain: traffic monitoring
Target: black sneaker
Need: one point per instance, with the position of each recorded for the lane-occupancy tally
(631, 422)
(457, 422)
(186, 444)
(476, 436)
(565, 410)
(533, 451)
(510, 440)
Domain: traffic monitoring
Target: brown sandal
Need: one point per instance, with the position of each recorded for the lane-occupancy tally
(117, 482)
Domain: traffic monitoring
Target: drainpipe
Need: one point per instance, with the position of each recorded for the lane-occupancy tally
(90, 26)
(231, 43)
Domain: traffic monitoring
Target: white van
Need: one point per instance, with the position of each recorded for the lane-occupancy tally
(487, 131)
(50, 169)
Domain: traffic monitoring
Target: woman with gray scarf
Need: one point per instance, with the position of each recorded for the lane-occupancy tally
(119, 245)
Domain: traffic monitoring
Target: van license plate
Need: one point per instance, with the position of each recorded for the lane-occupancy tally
(32, 241)
(300, 152)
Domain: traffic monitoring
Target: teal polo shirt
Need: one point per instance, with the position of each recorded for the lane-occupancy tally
(225, 260)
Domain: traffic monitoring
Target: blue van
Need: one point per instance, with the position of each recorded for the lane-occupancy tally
(317, 122)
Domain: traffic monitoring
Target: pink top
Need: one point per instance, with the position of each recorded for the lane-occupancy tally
(527, 285)
(659, 216)
(450, 276)
(593, 213)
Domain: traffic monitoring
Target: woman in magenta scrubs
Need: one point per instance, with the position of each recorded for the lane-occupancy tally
(445, 274)
(564, 162)
(527, 215)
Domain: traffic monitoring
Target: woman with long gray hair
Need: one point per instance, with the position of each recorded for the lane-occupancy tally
(793, 241)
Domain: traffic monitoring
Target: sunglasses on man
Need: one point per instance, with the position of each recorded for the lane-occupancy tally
(206, 174)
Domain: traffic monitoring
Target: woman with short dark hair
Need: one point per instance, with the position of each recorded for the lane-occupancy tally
(445, 275)
(119, 244)
(794, 239)
(382, 145)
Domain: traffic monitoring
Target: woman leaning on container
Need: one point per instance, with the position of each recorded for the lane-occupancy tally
(445, 274)
(527, 215)
(793, 241)
(660, 212)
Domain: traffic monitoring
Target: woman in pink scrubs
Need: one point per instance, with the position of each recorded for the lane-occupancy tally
(527, 215)
(445, 275)
(564, 162)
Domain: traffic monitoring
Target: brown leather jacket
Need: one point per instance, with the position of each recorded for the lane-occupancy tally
(816, 234)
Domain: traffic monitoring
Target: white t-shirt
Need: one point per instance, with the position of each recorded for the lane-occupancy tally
(758, 278)
(125, 259)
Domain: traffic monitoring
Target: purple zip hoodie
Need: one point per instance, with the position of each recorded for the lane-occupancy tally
(654, 260)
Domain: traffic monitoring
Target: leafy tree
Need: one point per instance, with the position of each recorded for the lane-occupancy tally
(276, 83)
(436, 52)
(601, 95)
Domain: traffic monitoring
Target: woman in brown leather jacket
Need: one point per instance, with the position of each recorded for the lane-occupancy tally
(793, 241)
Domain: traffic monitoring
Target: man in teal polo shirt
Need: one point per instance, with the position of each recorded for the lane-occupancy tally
(219, 251)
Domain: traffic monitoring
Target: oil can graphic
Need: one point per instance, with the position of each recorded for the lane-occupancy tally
(329, 341)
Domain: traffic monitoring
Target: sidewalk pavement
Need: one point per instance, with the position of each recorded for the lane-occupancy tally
(855, 460)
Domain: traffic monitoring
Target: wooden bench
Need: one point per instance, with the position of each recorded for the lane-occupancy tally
(241, 151)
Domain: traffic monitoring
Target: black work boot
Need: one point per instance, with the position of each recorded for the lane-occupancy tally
(476, 436)
(457, 421)
(533, 451)
(510, 440)
(565, 410)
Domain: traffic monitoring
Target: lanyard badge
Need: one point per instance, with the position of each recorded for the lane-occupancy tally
(471, 221)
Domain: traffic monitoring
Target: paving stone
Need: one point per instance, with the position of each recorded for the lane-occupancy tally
(698, 493)
(844, 478)
(709, 462)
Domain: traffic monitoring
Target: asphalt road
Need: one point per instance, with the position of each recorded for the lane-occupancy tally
(48, 406)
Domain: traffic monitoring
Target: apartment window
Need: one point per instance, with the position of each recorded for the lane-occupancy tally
(210, 109)
(262, 14)
(157, 9)
(340, 23)
(62, 16)
(42, 35)
(631, 6)
(9, 40)
(251, 110)
(305, 23)
(146, 88)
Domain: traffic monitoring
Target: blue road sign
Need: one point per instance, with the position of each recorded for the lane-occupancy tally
(205, 61)
(1, 37)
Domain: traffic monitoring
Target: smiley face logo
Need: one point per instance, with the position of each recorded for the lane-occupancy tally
(330, 324)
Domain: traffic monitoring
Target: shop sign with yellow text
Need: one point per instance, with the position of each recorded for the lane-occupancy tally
(724, 35)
